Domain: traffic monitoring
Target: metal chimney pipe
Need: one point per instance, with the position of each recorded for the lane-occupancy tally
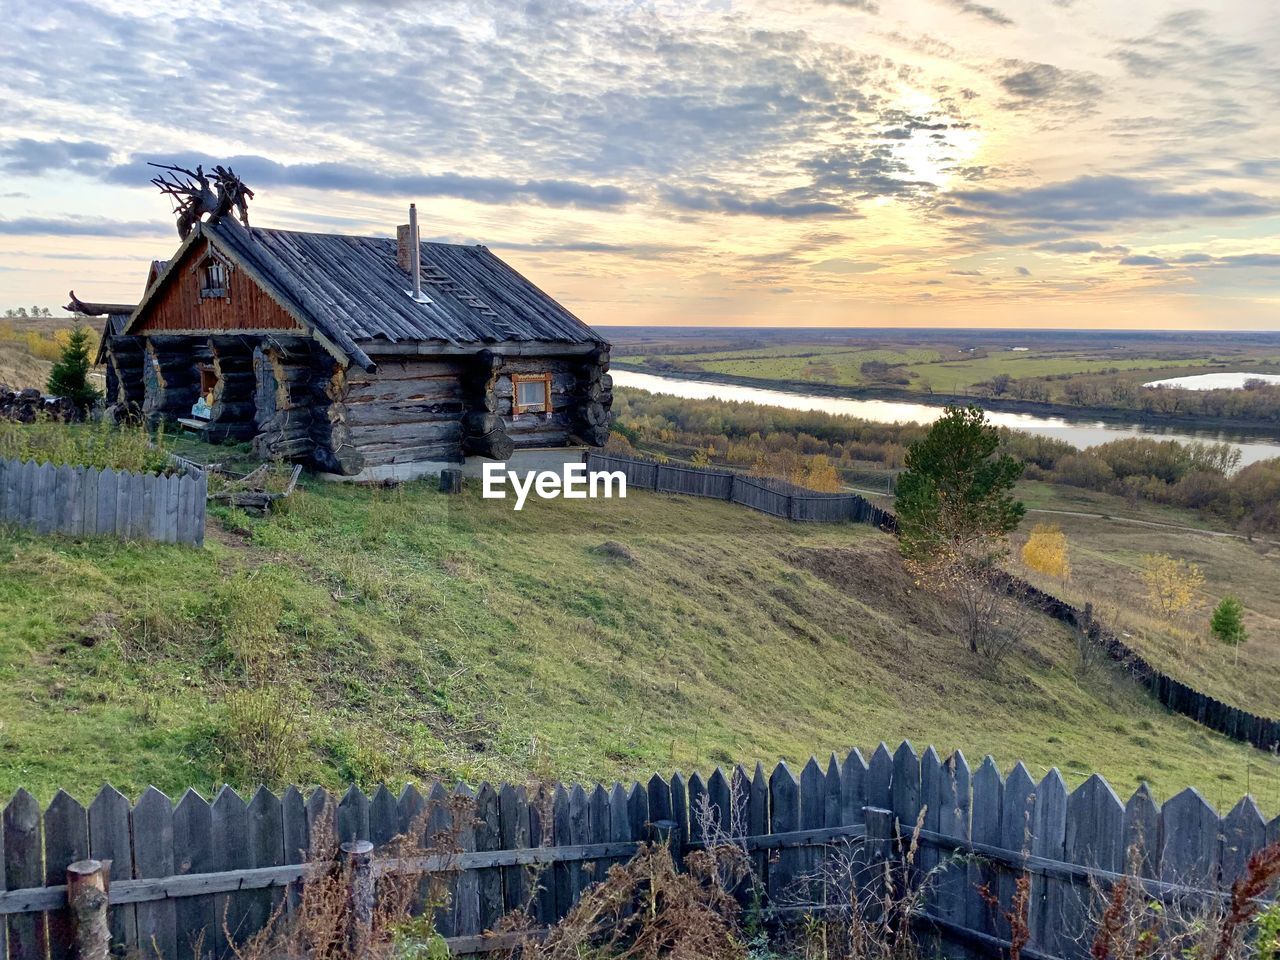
(415, 252)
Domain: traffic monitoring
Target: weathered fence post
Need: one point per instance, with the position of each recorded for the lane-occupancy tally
(879, 824)
(87, 902)
(359, 857)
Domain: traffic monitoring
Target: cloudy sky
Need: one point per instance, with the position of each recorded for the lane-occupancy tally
(809, 162)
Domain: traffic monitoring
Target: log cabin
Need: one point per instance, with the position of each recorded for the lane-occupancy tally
(366, 358)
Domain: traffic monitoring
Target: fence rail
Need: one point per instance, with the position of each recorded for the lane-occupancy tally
(771, 496)
(177, 871)
(80, 501)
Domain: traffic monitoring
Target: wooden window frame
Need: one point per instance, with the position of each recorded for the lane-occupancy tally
(518, 409)
(203, 268)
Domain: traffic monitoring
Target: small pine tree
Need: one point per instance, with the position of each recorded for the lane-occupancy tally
(957, 488)
(1227, 622)
(70, 374)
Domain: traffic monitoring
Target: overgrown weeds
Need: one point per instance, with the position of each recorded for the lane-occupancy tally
(1134, 925)
(100, 445)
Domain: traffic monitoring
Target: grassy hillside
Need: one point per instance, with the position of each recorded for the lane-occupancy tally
(28, 348)
(377, 634)
(1107, 562)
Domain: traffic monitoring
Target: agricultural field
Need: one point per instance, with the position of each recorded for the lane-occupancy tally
(930, 371)
(376, 634)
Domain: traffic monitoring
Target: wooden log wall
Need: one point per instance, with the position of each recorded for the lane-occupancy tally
(232, 416)
(171, 376)
(581, 399)
(126, 357)
(285, 395)
(409, 410)
(180, 870)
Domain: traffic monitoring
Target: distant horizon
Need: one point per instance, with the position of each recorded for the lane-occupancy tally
(922, 163)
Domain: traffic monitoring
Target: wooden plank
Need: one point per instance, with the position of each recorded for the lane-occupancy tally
(784, 815)
(562, 836)
(195, 922)
(63, 498)
(89, 501)
(466, 913)
(906, 787)
(699, 807)
(488, 836)
(758, 822)
(1189, 848)
(813, 813)
(266, 849)
(853, 787)
(44, 498)
(139, 519)
(109, 840)
(1142, 833)
(66, 840)
(679, 814)
(293, 816)
(1017, 827)
(20, 828)
(152, 822)
(230, 829)
(108, 481)
(1244, 832)
(513, 827)
(619, 817)
(384, 817)
(440, 830)
(353, 816)
(1094, 838)
(985, 827)
(880, 779)
(599, 819)
(954, 803)
(542, 899)
(322, 830)
(931, 790)
(638, 811)
(720, 805)
(659, 800)
(1048, 841)
(832, 786)
(579, 833)
(172, 493)
(75, 493)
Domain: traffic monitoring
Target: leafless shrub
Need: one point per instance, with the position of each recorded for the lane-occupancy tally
(647, 909)
(317, 927)
(869, 908)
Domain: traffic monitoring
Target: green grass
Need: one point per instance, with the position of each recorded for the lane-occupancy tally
(955, 376)
(1107, 563)
(401, 633)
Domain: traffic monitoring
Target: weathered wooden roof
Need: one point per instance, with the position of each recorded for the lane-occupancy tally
(475, 297)
(352, 292)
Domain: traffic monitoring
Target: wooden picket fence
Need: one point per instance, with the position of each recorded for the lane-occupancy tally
(80, 501)
(768, 495)
(212, 873)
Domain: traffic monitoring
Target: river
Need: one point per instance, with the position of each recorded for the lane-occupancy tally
(1079, 432)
